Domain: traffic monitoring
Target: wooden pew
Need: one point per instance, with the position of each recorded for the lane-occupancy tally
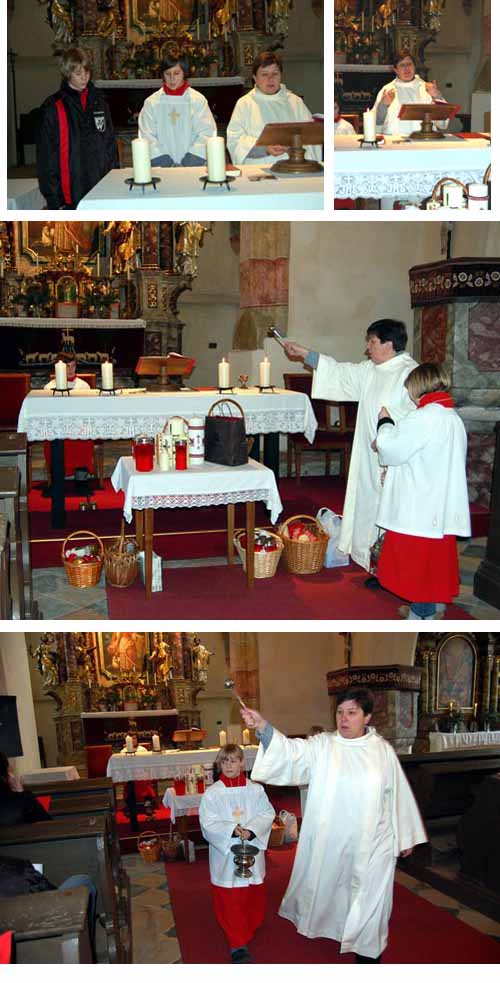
(48, 927)
(80, 844)
(82, 786)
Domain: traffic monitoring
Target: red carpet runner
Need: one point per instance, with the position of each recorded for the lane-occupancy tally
(419, 932)
(221, 592)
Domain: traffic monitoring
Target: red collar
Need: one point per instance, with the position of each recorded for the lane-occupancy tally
(176, 92)
(238, 782)
(71, 378)
(440, 397)
(83, 98)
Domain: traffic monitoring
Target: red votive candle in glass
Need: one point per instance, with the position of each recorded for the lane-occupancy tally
(144, 452)
(181, 455)
(180, 786)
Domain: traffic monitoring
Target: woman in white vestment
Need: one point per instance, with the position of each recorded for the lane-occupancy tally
(384, 371)
(268, 102)
(360, 817)
(176, 120)
(232, 810)
(406, 88)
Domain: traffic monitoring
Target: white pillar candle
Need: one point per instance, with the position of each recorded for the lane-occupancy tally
(216, 159)
(129, 744)
(163, 459)
(478, 197)
(141, 161)
(246, 736)
(107, 375)
(369, 126)
(111, 266)
(223, 374)
(265, 373)
(98, 265)
(156, 742)
(222, 738)
(196, 438)
(61, 375)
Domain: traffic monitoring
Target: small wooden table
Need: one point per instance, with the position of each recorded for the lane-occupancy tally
(209, 484)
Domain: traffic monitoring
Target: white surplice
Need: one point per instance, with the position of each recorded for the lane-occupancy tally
(251, 114)
(371, 386)
(405, 93)
(360, 815)
(177, 125)
(221, 809)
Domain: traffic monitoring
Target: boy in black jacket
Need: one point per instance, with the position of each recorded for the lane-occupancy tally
(76, 142)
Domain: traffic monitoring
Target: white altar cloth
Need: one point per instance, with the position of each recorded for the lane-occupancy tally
(397, 169)
(181, 805)
(209, 484)
(449, 742)
(23, 194)
(90, 416)
(43, 776)
(180, 189)
(145, 767)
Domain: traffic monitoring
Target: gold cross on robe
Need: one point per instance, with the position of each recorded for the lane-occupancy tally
(174, 116)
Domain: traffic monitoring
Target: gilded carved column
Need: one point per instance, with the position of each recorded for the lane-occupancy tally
(425, 682)
(432, 676)
(167, 246)
(150, 245)
(486, 695)
(494, 705)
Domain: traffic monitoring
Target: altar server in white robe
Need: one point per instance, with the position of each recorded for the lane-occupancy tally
(360, 817)
(385, 371)
(231, 810)
(407, 87)
(268, 102)
(176, 120)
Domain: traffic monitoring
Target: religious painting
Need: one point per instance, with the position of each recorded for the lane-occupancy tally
(456, 673)
(40, 241)
(149, 15)
(122, 654)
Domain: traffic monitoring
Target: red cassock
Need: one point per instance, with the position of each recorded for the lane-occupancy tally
(239, 911)
(419, 569)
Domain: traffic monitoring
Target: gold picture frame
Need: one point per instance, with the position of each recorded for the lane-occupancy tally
(148, 16)
(122, 656)
(456, 676)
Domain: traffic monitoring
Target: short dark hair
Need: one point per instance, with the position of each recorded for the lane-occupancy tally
(174, 56)
(362, 697)
(264, 59)
(72, 58)
(387, 329)
(401, 54)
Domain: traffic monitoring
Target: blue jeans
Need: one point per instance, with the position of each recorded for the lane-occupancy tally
(424, 609)
(83, 880)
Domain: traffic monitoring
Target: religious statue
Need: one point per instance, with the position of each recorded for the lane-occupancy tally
(84, 661)
(47, 660)
(60, 20)
(123, 246)
(385, 14)
(433, 10)
(200, 658)
(188, 246)
(109, 18)
(278, 13)
(160, 660)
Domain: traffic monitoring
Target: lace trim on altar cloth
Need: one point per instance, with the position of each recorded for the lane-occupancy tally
(420, 184)
(191, 501)
(67, 427)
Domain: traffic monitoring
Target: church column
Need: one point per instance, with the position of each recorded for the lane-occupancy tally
(167, 246)
(264, 272)
(487, 677)
(15, 680)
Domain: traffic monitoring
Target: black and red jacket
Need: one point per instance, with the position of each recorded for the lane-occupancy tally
(76, 145)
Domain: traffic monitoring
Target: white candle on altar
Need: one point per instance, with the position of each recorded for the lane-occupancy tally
(156, 742)
(113, 38)
(223, 374)
(216, 159)
(246, 736)
(369, 126)
(61, 375)
(141, 161)
(2, 266)
(129, 744)
(107, 375)
(98, 265)
(265, 373)
(198, 29)
(222, 738)
(111, 266)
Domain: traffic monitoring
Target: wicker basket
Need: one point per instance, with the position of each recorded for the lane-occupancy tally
(304, 558)
(83, 574)
(149, 847)
(277, 837)
(120, 560)
(170, 845)
(265, 563)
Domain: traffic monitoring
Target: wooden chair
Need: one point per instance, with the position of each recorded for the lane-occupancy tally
(330, 438)
(14, 387)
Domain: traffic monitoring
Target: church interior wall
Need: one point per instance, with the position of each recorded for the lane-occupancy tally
(303, 55)
(15, 681)
(292, 669)
(453, 59)
(383, 648)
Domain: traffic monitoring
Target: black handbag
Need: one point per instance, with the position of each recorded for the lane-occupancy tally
(225, 436)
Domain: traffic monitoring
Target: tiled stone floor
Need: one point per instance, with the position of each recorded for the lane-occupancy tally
(153, 926)
(58, 600)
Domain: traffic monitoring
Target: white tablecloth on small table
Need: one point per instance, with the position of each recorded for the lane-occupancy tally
(181, 189)
(181, 805)
(395, 170)
(43, 776)
(23, 194)
(92, 417)
(145, 767)
(448, 742)
(209, 484)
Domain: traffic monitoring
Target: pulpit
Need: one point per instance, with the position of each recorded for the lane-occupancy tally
(168, 370)
(188, 739)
